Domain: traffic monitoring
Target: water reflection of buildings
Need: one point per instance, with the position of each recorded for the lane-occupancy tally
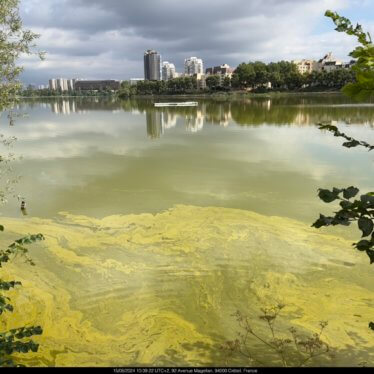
(67, 107)
(221, 115)
(63, 107)
(155, 126)
(246, 112)
(159, 121)
(169, 120)
(195, 121)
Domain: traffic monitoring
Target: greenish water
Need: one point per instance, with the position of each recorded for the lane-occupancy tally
(100, 158)
(162, 222)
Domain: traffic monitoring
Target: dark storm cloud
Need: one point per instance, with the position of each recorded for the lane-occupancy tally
(108, 37)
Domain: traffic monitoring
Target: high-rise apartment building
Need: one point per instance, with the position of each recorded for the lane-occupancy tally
(53, 84)
(152, 65)
(168, 71)
(70, 84)
(62, 84)
(193, 65)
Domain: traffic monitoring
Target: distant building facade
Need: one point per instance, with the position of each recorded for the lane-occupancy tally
(329, 63)
(61, 84)
(70, 84)
(306, 66)
(97, 85)
(152, 65)
(221, 71)
(224, 70)
(168, 71)
(52, 84)
(193, 65)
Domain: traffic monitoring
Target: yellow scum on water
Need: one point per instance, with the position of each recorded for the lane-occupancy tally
(159, 289)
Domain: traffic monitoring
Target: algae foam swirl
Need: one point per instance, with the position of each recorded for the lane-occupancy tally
(160, 289)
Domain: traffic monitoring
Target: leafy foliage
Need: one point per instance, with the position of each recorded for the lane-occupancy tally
(284, 75)
(12, 341)
(182, 85)
(351, 142)
(14, 41)
(360, 210)
(17, 247)
(290, 349)
(213, 82)
(363, 88)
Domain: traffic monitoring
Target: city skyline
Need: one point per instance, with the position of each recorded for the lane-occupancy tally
(157, 69)
(83, 39)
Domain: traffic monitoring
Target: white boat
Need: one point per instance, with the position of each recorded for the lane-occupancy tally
(178, 103)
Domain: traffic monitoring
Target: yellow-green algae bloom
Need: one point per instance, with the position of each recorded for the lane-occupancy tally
(160, 289)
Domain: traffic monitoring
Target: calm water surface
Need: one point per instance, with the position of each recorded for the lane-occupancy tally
(162, 222)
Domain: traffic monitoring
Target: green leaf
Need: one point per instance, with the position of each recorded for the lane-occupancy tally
(351, 144)
(363, 245)
(350, 192)
(328, 196)
(370, 253)
(328, 127)
(368, 200)
(322, 221)
(365, 225)
(345, 204)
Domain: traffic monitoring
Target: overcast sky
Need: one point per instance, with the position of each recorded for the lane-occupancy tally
(97, 39)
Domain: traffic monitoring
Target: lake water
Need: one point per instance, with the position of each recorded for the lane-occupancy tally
(160, 223)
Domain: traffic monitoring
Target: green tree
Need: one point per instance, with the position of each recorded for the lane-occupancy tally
(127, 90)
(244, 75)
(14, 41)
(213, 82)
(226, 83)
(261, 74)
(276, 78)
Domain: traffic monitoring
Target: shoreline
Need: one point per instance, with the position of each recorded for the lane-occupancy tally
(215, 95)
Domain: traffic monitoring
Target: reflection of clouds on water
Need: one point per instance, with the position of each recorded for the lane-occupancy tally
(44, 136)
(109, 148)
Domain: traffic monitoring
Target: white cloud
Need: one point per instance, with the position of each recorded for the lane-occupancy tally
(97, 39)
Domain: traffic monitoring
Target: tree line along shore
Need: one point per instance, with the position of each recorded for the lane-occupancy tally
(248, 78)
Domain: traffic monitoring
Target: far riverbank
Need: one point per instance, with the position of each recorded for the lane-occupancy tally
(212, 95)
